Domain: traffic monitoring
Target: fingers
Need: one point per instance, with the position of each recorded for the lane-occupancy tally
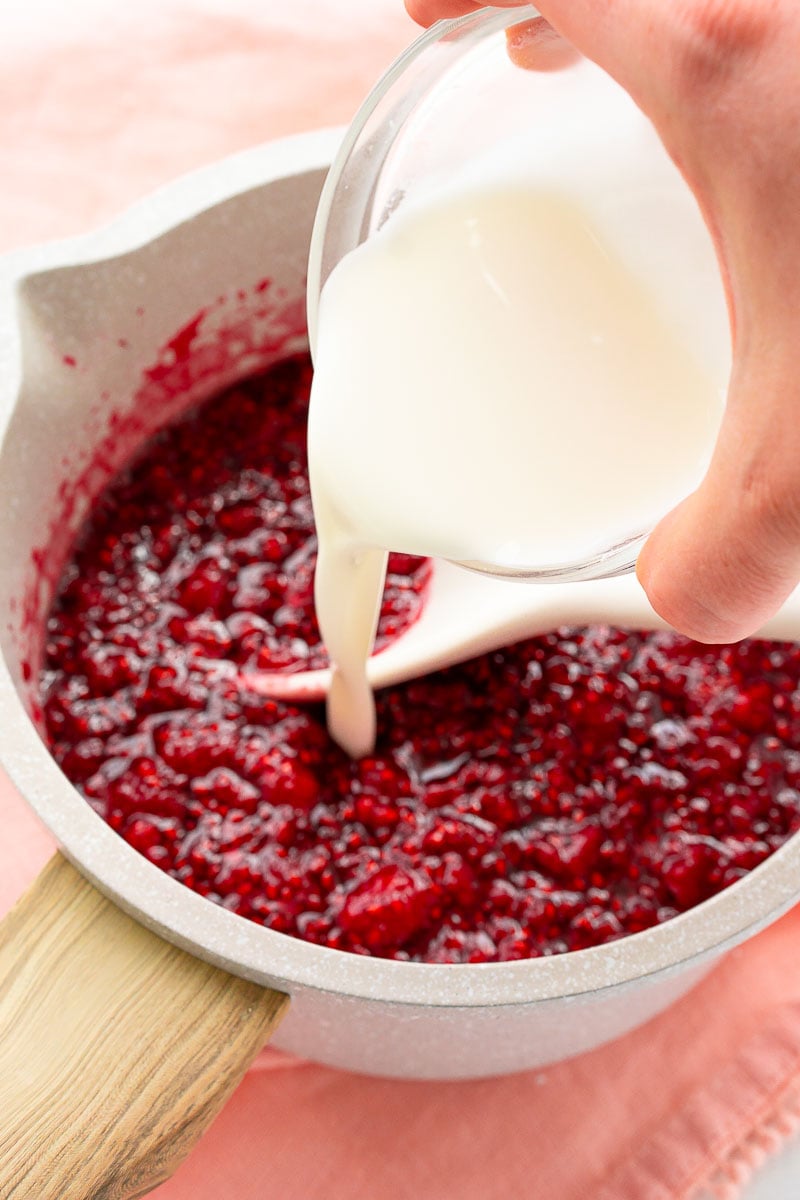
(603, 33)
(725, 560)
(425, 12)
(536, 46)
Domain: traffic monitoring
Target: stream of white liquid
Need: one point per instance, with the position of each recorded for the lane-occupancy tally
(492, 383)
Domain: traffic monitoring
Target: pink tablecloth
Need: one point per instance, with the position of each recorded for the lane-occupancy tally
(99, 103)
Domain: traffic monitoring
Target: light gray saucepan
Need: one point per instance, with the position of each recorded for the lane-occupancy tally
(129, 1005)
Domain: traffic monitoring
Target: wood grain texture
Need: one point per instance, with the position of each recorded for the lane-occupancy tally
(116, 1048)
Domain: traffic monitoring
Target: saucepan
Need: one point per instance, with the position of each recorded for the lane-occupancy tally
(129, 1005)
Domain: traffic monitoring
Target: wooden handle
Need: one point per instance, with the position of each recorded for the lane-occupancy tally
(116, 1048)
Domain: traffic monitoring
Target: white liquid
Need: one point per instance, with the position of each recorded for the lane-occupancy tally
(492, 384)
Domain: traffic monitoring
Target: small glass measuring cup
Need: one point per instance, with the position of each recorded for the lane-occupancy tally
(444, 110)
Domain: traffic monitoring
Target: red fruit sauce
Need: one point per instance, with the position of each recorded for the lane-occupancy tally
(558, 794)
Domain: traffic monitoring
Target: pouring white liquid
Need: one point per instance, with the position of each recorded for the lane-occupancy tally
(494, 384)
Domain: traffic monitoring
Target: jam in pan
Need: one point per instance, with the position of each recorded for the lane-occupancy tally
(558, 794)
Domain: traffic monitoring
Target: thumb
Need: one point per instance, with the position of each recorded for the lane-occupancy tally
(722, 563)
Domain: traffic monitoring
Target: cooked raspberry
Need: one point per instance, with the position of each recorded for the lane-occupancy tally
(388, 908)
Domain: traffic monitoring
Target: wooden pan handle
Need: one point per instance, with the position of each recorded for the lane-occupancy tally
(117, 1049)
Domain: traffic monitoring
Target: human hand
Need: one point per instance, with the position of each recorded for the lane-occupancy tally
(719, 79)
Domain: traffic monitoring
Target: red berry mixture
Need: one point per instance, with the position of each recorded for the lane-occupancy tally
(555, 795)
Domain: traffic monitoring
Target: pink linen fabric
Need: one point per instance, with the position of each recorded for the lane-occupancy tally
(100, 102)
